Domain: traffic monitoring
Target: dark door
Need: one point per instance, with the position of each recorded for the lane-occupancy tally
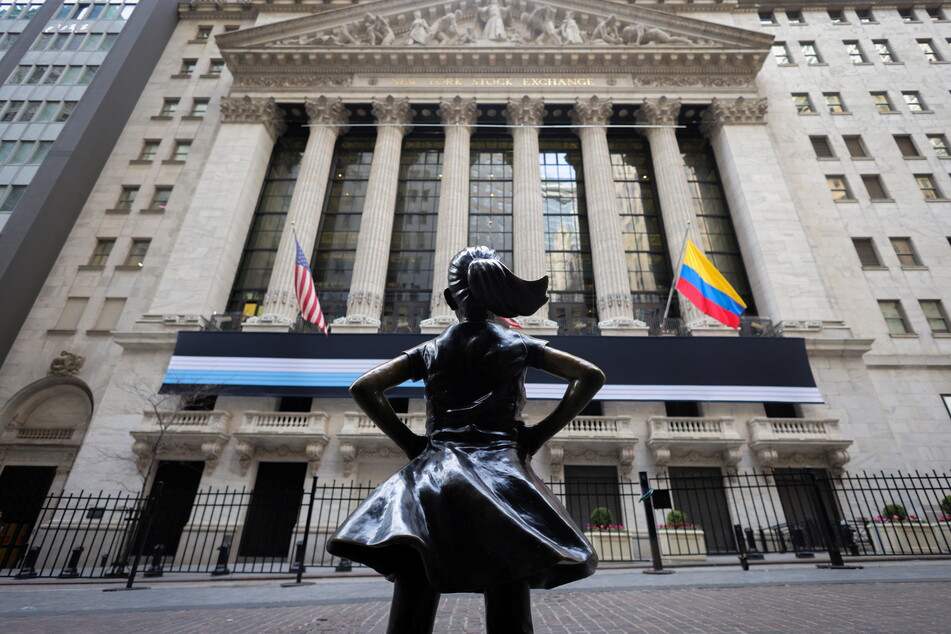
(800, 493)
(589, 488)
(699, 492)
(180, 480)
(273, 509)
(22, 493)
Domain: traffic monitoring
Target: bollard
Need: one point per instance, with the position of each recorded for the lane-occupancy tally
(752, 553)
(762, 540)
(744, 561)
(740, 541)
(155, 565)
(798, 539)
(118, 570)
(848, 537)
(344, 566)
(224, 551)
(298, 563)
(28, 571)
(71, 571)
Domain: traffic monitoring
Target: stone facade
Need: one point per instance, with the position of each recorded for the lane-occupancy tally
(883, 392)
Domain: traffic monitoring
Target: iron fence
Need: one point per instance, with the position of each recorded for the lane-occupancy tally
(698, 515)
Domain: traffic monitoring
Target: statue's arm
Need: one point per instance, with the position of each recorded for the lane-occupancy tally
(584, 381)
(368, 390)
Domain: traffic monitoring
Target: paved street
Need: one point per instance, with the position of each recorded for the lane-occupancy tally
(895, 597)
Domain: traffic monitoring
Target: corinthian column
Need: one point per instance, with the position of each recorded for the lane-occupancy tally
(768, 224)
(611, 280)
(365, 303)
(528, 223)
(303, 215)
(452, 226)
(676, 203)
(201, 267)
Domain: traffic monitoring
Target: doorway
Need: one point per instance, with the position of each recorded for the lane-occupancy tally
(798, 496)
(699, 492)
(589, 488)
(173, 507)
(273, 510)
(22, 493)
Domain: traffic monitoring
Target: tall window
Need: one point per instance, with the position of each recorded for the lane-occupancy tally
(409, 276)
(934, 314)
(939, 143)
(855, 52)
(567, 248)
(928, 186)
(254, 270)
(882, 102)
(914, 101)
(803, 103)
(834, 102)
(781, 53)
(930, 52)
(642, 232)
(894, 316)
(810, 53)
(716, 226)
(490, 195)
(884, 51)
(101, 252)
(336, 247)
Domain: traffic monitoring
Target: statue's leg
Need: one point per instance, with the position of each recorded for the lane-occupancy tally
(413, 610)
(508, 609)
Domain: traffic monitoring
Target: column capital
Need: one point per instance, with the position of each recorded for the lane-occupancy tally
(458, 111)
(592, 111)
(393, 111)
(326, 111)
(742, 111)
(525, 111)
(661, 111)
(250, 110)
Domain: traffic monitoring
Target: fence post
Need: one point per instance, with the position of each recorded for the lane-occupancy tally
(155, 566)
(71, 570)
(831, 535)
(140, 536)
(221, 567)
(646, 491)
(302, 546)
(28, 570)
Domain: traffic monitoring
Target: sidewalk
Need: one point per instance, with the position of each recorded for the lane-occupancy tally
(895, 596)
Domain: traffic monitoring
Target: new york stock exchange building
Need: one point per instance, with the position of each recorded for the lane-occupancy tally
(802, 148)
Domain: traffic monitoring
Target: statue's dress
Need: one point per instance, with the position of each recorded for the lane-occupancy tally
(469, 508)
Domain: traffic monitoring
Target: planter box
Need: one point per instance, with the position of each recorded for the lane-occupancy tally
(942, 532)
(682, 544)
(611, 545)
(909, 538)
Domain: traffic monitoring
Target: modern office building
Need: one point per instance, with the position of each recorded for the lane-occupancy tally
(803, 147)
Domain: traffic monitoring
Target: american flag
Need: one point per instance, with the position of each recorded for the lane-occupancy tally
(510, 322)
(306, 293)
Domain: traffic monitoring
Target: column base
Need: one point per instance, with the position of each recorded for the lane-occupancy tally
(355, 326)
(711, 328)
(436, 325)
(538, 326)
(267, 323)
(623, 328)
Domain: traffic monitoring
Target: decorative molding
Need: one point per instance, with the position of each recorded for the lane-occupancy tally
(327, 111)
(525, 111)
(693, 81)
(360, 304)
(393, 111)
(291, 80)
(458, 111)
(661, 111)
(739, 112)
(254, 110)
(66, 364)
(594, 111)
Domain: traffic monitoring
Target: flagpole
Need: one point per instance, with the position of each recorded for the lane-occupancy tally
(680, 266)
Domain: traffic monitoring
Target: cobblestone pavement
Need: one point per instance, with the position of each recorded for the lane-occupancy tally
(913, 597)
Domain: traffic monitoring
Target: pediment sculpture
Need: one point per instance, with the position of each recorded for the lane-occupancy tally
(495, 22)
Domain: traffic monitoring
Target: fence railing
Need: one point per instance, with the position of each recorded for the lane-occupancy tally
(233, 531)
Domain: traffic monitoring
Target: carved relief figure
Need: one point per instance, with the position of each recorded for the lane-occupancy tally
(446, 29)
(541, 25)
(570, 31)
(639, 35)
(494, 16)
(468, 514)
(418, 29)
(606, 31)
(378, 30)
(341, 36)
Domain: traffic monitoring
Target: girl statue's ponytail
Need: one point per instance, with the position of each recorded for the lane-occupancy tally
(479, 279)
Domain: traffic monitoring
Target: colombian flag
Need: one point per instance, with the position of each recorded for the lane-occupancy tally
(702, 284)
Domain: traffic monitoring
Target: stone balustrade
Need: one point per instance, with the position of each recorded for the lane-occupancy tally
(694, 440)
(778, 441)
(181, 435)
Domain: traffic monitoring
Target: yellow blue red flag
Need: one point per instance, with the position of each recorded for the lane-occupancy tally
(705, 286)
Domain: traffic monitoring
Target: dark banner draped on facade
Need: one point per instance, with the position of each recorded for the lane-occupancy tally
(730, 369)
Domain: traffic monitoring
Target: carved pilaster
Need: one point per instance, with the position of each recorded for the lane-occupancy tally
(525, 111)
(211, 452)
(249, 110)
(348, 452)
(556, 457)
(767, 457)
(661, 111)
(393, 111)
(593, 111)
(661, 456)
(314, 452)
(732, 456)
(458, 111)
(245, 456)
(326, 111)
(626, 462)
(739, 112)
